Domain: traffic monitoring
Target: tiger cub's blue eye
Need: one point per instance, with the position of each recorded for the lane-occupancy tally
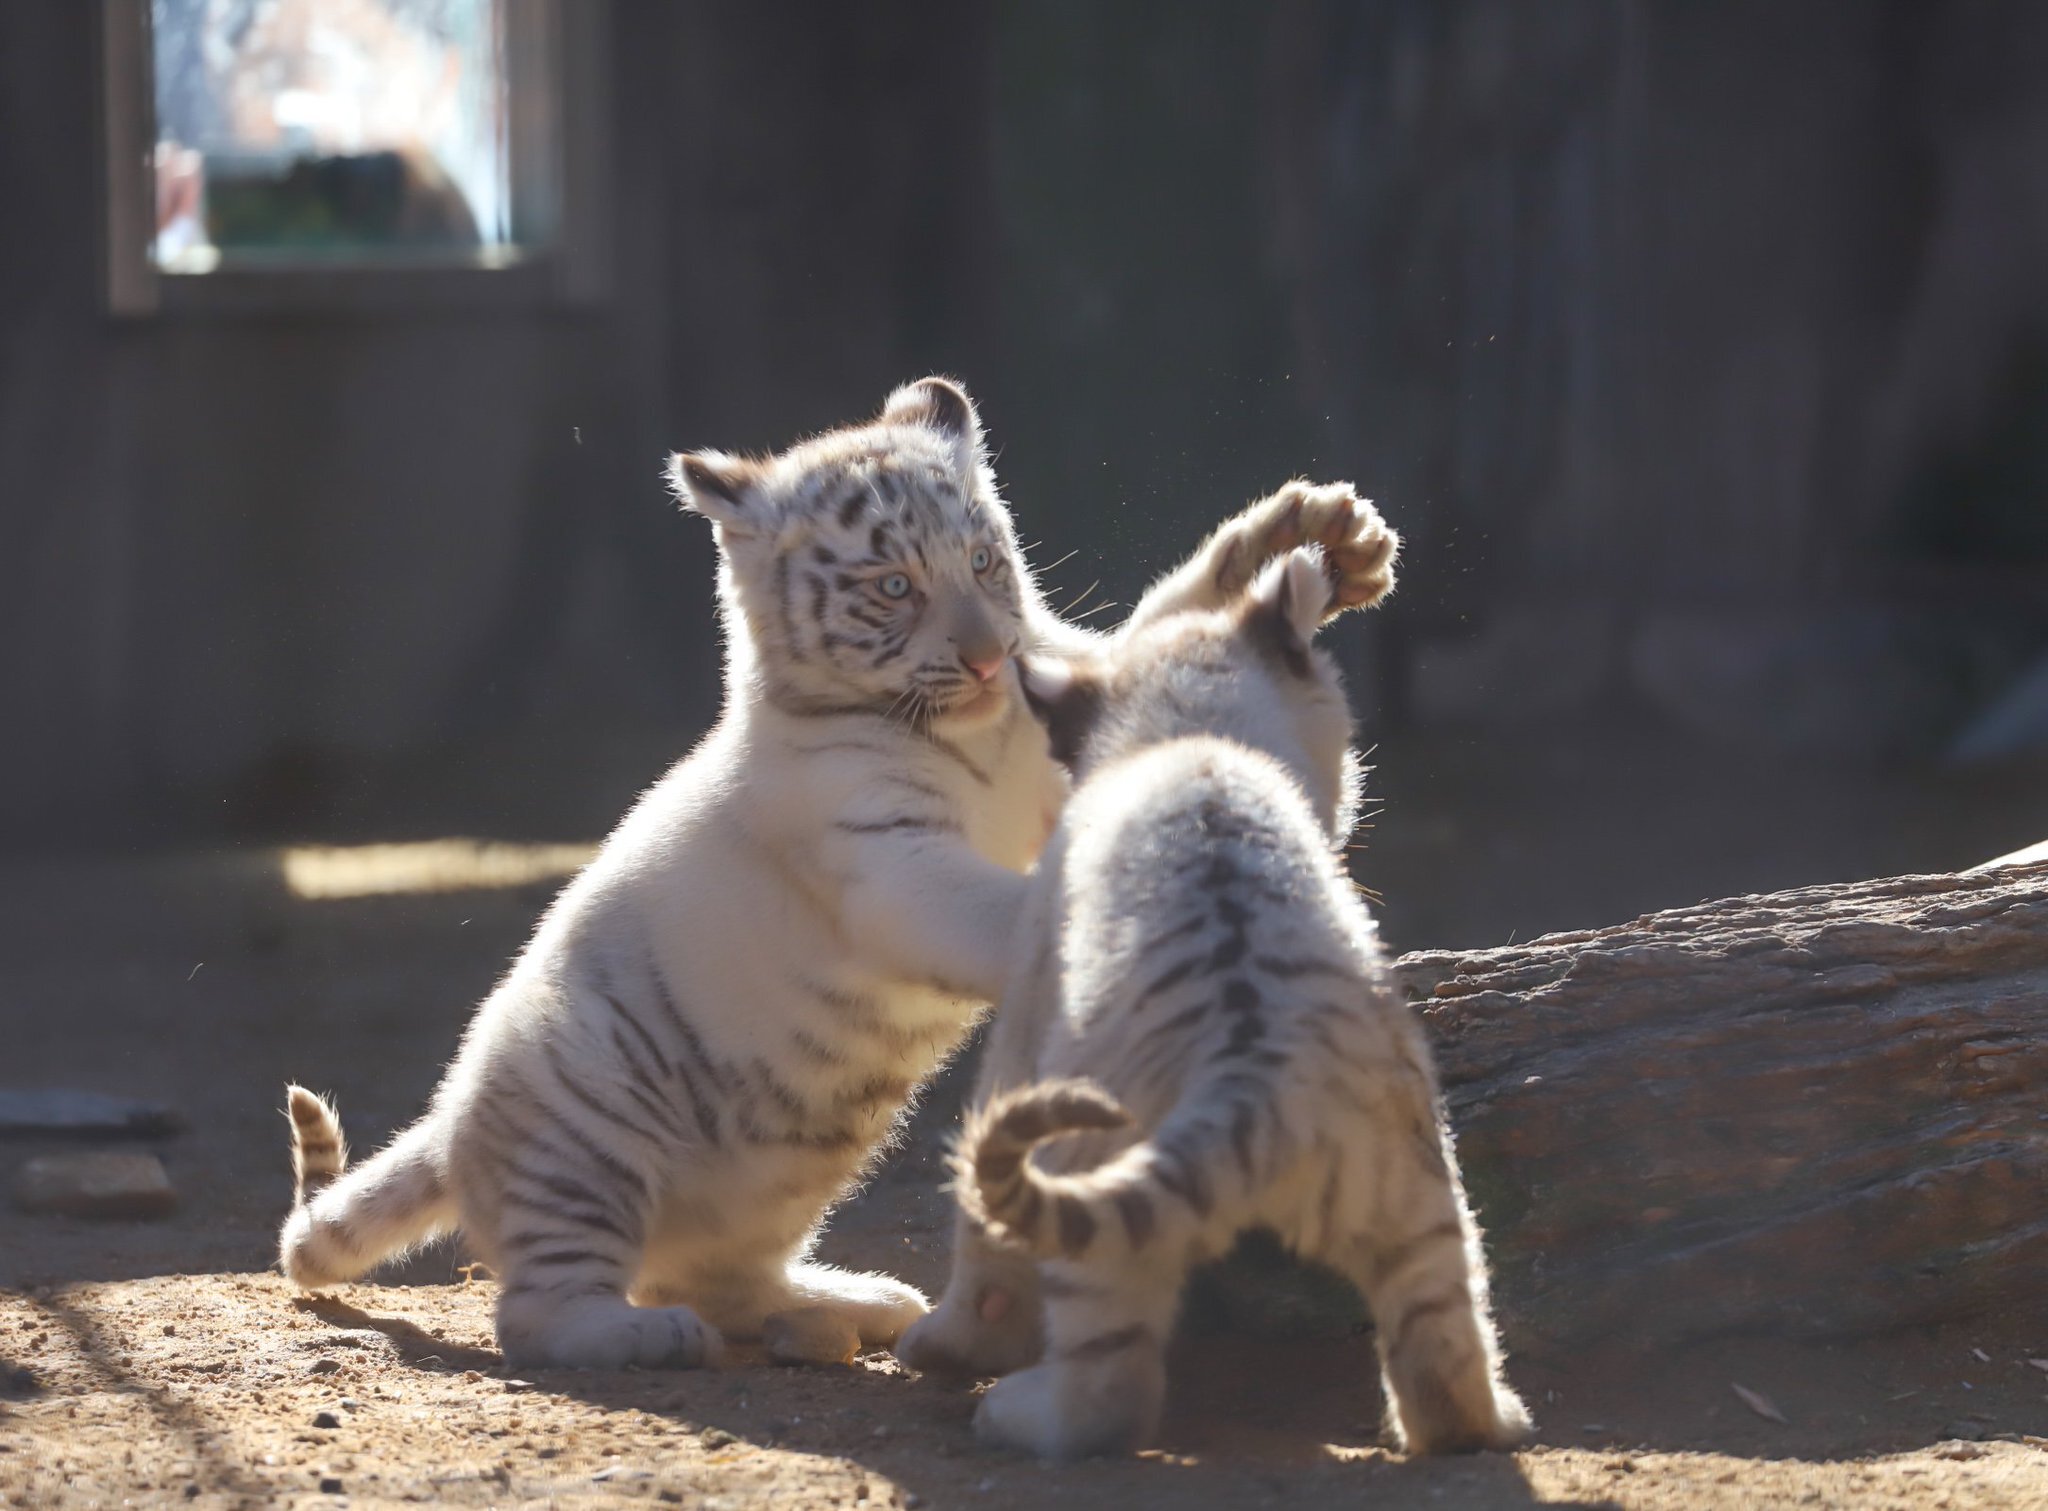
(895, 585)
(982, 559)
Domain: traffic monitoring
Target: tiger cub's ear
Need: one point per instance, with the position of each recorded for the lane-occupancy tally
(1066, 699)
(720, 487)
(1285, 606)
(942, 405)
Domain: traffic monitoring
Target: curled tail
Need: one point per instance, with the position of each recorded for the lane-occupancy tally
(319, 1152)
(1210, 1150)
(346, 1221)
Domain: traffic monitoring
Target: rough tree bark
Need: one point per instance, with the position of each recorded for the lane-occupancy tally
(1821, 1112)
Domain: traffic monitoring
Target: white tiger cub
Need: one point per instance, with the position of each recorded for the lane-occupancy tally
(720, 1020)
(1193, 948)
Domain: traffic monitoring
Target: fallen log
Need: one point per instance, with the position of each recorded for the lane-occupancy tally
(1818, 1113)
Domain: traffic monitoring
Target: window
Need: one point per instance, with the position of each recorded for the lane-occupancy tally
(321, 153)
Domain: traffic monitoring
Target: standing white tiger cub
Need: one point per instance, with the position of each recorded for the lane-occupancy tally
(720, 1020)
(1193, 948)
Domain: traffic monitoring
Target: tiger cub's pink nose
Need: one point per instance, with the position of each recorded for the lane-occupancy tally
(983, 665)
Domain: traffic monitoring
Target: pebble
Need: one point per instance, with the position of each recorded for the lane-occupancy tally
(83, 1114)
(330, 1486)
(114, 1185)
(323, 1366)
(810, 1335)
(716, 1437)
(326, 1419)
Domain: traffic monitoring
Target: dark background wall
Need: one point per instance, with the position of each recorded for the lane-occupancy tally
(1701, 352)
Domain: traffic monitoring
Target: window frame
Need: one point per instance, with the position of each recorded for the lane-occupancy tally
(554, 62)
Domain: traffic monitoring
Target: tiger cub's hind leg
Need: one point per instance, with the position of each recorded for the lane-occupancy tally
(1102, 1385)
(1419, 1267)
(566, 1252)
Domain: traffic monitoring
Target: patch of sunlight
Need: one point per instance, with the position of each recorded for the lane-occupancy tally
(435, 865)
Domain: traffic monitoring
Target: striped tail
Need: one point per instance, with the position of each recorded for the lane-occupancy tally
(345, 1221)
(319, 1152)
(1209, 1148)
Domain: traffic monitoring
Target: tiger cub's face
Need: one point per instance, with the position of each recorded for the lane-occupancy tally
(1251, 673)
(875, 567)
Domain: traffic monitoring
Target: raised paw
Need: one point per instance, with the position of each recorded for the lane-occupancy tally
(1359, 546)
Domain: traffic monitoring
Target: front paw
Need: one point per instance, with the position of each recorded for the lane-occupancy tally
(1358, 545)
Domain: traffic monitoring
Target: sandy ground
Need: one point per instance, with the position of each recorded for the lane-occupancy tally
(159, 1363)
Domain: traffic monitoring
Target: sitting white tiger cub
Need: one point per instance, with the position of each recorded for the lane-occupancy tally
(721, 1019)
(1193, 948)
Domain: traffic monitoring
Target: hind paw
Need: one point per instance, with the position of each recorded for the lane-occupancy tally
(606, 1332)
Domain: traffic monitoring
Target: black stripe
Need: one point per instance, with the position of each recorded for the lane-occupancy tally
(586, 1213)
(1166, 980)
(604, 1159)
(908, 824)
(1418, 1311)
(1175, 1174)
(640, 1032)
(693, 1044)
(1077, 1223)
(1288, 970)
(663, 1115)
(576, 1090)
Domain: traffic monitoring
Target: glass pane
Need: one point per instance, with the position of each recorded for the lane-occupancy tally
(330, 131)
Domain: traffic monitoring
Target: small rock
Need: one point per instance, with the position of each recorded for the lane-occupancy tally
(810, 1335)
(323, 1366)
(350, 1403)
(621, 1472)
(44, 1112)
(330, 1486)
(1964, 1431)
(170, 1329)
(191, 1492)
(118, 1185)
(326, 1419)
(716, 1437)
(912, 1501)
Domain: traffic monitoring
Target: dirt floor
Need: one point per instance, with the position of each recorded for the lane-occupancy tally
(147, 1363)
